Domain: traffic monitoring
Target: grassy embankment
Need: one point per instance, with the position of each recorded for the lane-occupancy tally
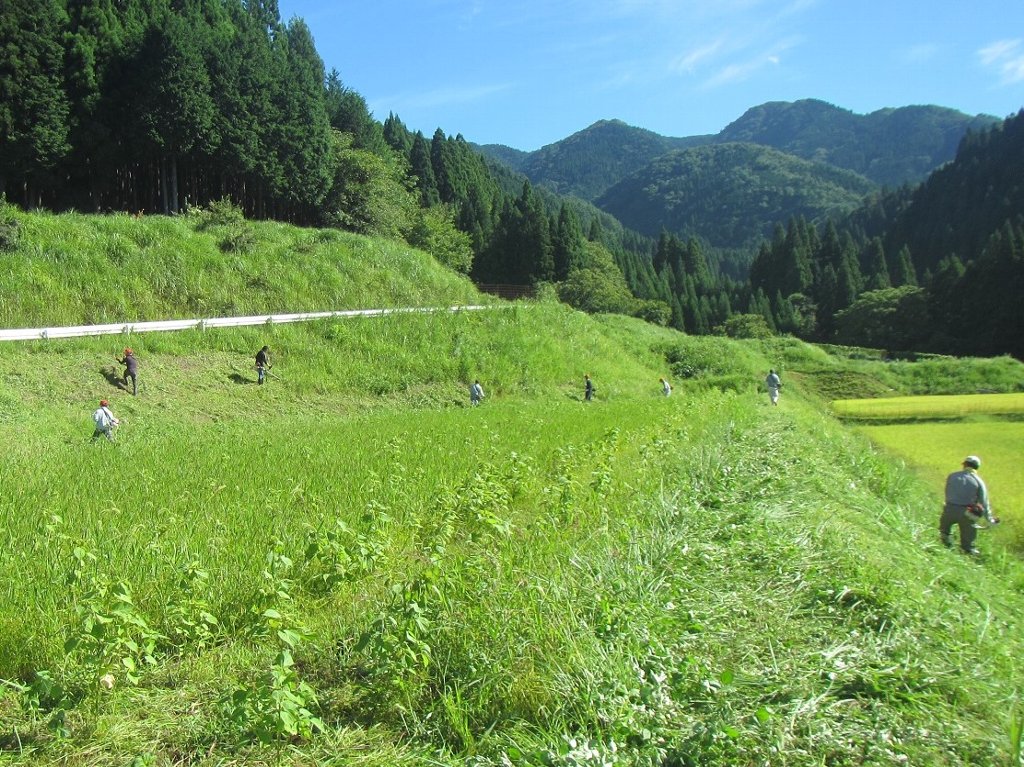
(350, 566)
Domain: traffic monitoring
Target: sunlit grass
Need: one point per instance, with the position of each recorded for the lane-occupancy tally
(936, 449)
(700, 579)
(945, 406)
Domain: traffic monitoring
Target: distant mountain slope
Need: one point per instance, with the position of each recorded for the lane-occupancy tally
(730, 194)
(506, 155)
(889, 146)
(591, 160)
(964, 203)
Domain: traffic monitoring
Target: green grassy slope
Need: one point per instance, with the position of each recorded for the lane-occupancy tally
(72, 269)
(702, 579)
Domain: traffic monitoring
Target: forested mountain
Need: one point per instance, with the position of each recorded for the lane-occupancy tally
(588, 162)
(513, 159)
(960, 206)
(890, 146)
(936, 268)
(731, 195)
(632, 173)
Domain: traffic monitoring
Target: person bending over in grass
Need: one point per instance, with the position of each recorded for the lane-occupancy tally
(773, 384)
(666, 387)
(131, 369)
(966, 502)
(588, 388)
(476, 393)
(105, 422)
(262, 364)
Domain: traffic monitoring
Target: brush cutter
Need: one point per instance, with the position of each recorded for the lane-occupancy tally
(977, 512)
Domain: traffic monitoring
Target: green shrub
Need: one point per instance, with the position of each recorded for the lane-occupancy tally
(239, 239)
(222, 212)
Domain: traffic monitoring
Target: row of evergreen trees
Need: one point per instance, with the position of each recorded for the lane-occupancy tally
(939, 267)
(151, 105)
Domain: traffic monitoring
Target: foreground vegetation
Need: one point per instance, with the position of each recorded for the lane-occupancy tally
(349, 564)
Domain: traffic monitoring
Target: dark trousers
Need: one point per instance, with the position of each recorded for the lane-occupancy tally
(135, 385)
(957, 515)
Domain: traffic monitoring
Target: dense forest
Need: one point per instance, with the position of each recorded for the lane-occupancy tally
(890, 146)
(938, 267)
(155, 106)
(730, 194)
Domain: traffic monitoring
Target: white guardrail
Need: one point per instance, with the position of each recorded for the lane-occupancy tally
(78, 331)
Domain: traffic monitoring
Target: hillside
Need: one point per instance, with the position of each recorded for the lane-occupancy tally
(350, 565)
(887, 147)
(962, 204)
(730, 194)
(71, 269)
(890, 146)
(588, 162)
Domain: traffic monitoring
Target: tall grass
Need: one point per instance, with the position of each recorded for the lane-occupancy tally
(70, 269)
(545, 582)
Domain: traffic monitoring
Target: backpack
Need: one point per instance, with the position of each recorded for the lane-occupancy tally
(101, 418)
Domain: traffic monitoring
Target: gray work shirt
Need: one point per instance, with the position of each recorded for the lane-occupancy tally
(964, 488)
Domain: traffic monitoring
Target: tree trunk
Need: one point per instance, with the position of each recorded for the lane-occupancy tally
(164, 205)
(174, 185)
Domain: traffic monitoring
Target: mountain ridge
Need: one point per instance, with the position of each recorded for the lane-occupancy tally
(692, 191)
(889, 147)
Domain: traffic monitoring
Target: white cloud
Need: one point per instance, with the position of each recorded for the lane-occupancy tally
(734, 73)
(1007, 58)
(994, 52)
(744, 70)
(689, 60)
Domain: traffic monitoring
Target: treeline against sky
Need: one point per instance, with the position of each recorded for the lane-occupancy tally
(938, 267)
(155, 105)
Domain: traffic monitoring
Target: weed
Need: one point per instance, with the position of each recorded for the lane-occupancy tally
(279, 704)
(10, 229)
(337, 555)
(112, 640)
(189, 622)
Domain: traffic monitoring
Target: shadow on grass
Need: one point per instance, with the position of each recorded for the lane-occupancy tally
(238, 378)
(114, 378)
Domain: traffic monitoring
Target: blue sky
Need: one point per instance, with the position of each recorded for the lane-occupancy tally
(527, 73)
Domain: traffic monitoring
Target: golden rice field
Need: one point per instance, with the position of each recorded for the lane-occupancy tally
(946, 406)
